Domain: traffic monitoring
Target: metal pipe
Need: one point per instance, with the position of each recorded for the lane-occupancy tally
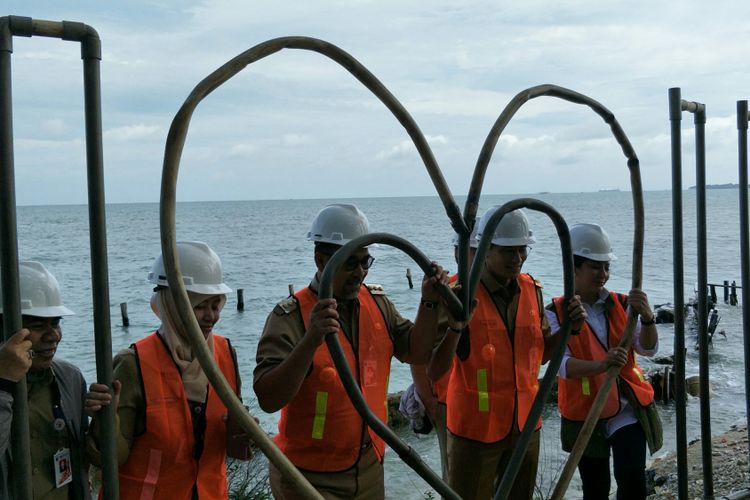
(20, 443)
(351, 385)
(91, 55)
(700, 208)
(742, 125)
(675, 118)
(550, 375)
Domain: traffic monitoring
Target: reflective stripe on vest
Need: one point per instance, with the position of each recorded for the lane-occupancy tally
(498, 375)
(319, 429)
(484, 397)
(161, 463)
(319, 424)
(575, 397)
(585, 387)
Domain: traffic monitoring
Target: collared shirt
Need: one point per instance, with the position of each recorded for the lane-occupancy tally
(597, 321)
(284, 330)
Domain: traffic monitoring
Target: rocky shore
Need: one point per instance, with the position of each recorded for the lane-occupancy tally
(731, 473)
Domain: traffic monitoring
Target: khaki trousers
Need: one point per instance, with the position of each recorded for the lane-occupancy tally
(477, 468)
(364, 481)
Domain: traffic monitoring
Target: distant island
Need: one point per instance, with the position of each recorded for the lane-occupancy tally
(719, 186)
(614, 190)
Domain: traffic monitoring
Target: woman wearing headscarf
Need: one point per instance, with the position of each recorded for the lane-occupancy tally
(172, 439)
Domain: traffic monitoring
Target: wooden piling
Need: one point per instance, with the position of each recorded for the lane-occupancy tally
(712, 288)
(291, 289)
(124, 313)
(408, 278)
(733, 294)
(726, 292)
(240, 299)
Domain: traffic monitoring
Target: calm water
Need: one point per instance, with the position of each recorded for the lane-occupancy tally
(264, 249)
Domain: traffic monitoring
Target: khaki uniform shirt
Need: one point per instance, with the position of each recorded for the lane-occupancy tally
(284, 329)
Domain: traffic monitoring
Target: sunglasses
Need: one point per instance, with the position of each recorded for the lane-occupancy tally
(352, 263)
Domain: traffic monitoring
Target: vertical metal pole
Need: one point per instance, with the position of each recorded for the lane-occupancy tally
(742, 119)
(91, 55)
(675, 118)
(700, 206)
(21, 467)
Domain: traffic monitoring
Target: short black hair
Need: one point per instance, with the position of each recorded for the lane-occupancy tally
(578, 261)
(326, 248)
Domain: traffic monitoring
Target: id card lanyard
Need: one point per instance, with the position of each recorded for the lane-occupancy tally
(61, 459)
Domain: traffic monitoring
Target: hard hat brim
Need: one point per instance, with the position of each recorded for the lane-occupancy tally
(219, 289)
(47, 312)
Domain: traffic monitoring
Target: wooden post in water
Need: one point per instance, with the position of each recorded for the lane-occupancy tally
(291, 289)
(408, 278)
(124, 313)
(713, 293)
(240, 299)
(726, 292)
(733, 295)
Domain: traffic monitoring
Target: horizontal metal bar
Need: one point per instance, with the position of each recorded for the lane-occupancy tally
(692, 106)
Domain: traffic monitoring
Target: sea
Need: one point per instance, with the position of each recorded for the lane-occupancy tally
(264, 250)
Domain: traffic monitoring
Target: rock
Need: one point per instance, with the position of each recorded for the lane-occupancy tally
(729, 461)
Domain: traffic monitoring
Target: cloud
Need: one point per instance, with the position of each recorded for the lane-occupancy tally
(297, 139)
(132, 132)
(243, 150)
(54, 126)
(454, 66)
(407, 147)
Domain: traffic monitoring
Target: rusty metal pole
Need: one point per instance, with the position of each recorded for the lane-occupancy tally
(742, 125)
(91, 55)
(680, 397)
(21, 467)
(699, 116)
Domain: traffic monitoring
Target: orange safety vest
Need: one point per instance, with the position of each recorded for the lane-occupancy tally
(500, 375)
(161, 462)
(320, 430)
(575, 396)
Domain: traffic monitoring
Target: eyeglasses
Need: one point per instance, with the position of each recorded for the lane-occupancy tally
(352, 263)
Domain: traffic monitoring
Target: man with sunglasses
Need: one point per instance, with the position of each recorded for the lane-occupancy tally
(495, 365)
(319, 430)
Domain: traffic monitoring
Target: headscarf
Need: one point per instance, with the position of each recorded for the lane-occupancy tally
(175, 336)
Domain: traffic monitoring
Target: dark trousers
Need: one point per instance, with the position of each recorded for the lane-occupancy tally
(628, 446)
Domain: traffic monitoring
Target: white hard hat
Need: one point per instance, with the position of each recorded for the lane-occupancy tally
(201, 269)
(513, 230)
(40, 292)
(338, 224)
(592, 242)
(473, 241)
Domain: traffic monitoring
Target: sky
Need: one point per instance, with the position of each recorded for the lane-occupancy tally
(297, 125)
